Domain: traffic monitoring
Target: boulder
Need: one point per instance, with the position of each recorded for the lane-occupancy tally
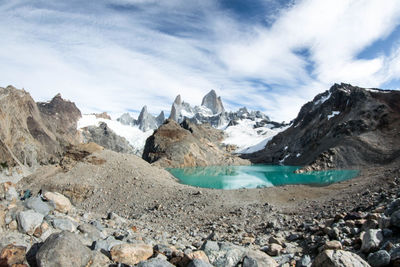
(131, 254)
(29, 220)
(274, 249)
(38, 205)
(395, 218)
(199, 263)
(63, 249)
(371, 240)
(11, 194)
(334, 244)
(62, 204)
(65, 224)
(12, 254)
(338, 258)
(155, 262)
(379, 258)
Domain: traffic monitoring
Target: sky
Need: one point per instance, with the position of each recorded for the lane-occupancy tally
(268, 55)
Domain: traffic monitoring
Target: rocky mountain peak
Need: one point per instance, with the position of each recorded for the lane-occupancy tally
(178, 100)
(213, 102)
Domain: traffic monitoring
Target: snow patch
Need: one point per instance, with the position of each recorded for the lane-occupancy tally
(247, 138)
(133, 134)
(298, 155)
(333, 114)
(322, 99)
(377, 91)
(283, 160)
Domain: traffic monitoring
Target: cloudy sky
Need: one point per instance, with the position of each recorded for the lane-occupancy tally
(271, 55)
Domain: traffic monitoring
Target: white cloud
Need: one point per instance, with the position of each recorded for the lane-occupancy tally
(116, 55)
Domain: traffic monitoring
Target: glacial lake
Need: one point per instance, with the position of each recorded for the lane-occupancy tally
(255, 176)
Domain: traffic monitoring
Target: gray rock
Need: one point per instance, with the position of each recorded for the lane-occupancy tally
(213, 102)
(339, 258)
(65, 224)
(146, 121)
(155, 262)
(395, 218)
(371, 240)
(11, 194)
(379, 258)
(392, 207)
(199, 263)
(107, 244)
(63, 249)
(90, 231)
(304, 262)
(249, 262)
(38, 205)
(29, 220)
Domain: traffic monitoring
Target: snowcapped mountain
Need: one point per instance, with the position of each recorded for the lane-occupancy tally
(132, 133)
(145, 121)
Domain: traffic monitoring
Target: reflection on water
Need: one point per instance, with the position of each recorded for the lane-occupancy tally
(234, 177)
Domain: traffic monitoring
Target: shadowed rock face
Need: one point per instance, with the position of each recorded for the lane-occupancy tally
(105, 137)
(344, 127)
(33, 133)
(187, 144)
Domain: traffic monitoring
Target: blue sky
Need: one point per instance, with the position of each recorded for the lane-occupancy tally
(271, 55)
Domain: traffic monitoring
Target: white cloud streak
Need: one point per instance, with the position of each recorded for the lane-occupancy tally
(118, 55)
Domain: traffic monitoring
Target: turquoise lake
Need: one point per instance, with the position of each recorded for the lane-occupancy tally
(235, 177)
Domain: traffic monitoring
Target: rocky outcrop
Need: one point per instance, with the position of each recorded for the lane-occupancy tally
(187, 144)
(145, 121)
(30, 133)
(213, 102)
(345, 127)
(106, 137)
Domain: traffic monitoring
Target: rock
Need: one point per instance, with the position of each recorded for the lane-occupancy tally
(201, 255)
(65, 224)
(29, 220)
(379, 258)
(38, 205)
(392, 207)
(334, 244)
(11, 194)
(12, 254)
(131, 253)
(276, 240)
(90, 231)
(262, 259)
(304, 262)
(395, 218)
(249, 262)
(371, 240)
(107, 244)
(155, 262)
(274, 249)
(213, 102)
(62, 204)
(199, 263)
(99, 259)
(63, 249)
(338, 258)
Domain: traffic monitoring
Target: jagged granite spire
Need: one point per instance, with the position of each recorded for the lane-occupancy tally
(174, 115)
(146, 121)
(213, 102)
(160, 119)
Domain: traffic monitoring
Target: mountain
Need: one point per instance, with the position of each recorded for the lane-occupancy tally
(212, 102)
(344, 127)
(188, 145)
(145, 121)
(34, 133)
(107, 138)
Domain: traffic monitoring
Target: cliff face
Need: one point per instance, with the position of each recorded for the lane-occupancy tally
(188, 145)
(32, 133)
(345, 127)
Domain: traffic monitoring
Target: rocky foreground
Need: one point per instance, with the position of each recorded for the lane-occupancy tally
(144, 217)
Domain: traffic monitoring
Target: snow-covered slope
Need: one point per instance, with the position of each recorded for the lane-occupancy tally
(247, 138)
(135, 136)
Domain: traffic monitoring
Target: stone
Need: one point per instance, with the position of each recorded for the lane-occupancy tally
(338, 258)
(155, 262)
(199, 263)
(12, 254)
(131, 254)
(201, 255)
(274, 249)
(99, 260)
(62, 203)
(371, 240)
(334, 244)
(38, 205)
(90, 231)
(63, 249)
(392, 207)
(395, 218)
(305, 261)
(29, 220)
(107, 244)
(379, 258)
(276, 240)
(262, 259)
(249, 262)
(65, 224)
(11, 194)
